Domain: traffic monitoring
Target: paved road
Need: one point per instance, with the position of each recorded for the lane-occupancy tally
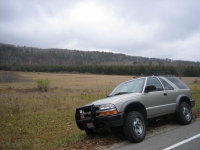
(164, 140)
(192, 145)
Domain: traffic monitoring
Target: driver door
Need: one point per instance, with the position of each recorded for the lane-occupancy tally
(156, 102)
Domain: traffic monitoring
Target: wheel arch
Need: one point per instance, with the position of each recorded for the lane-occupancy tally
(182, 98)
(135, 106)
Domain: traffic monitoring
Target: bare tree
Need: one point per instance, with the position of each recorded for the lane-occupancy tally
(179, 67)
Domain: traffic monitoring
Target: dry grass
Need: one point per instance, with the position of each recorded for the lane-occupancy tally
(31, 119)
(195, 88)
(7, 76)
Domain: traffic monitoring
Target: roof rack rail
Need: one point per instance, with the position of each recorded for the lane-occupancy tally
(161, 73)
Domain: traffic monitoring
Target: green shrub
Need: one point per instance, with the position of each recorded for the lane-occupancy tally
(43, 85)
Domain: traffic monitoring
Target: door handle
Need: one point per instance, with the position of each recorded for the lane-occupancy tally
(165, 94)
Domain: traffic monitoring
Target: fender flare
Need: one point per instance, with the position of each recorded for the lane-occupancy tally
(141, 108)
(181, 98)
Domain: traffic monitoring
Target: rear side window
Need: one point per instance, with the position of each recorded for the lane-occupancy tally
(180, 84)
(166, 85)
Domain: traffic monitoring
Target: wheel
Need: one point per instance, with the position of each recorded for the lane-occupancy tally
(134, 127)
(90, 132)
(184, 116)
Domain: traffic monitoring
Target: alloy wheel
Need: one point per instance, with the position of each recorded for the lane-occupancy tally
(186, 113)
(138, 126)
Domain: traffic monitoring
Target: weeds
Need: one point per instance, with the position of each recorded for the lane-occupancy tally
(14, 105)
(196, 81)
(196, 95)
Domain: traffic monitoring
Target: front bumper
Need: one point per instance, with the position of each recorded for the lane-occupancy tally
(101, 122)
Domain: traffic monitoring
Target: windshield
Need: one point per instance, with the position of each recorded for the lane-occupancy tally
(133, 86)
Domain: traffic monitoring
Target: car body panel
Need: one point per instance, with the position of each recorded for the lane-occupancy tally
(156, 103)
(118, 100)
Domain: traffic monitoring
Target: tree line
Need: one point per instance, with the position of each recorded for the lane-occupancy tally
(22, 58)
(22, 55)
(189, 71)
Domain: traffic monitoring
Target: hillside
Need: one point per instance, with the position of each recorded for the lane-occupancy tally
(18, 55)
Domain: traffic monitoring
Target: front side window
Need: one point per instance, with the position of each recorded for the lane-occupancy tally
(154, 81)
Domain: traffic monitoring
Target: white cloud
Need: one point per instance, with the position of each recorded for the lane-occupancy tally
(160, 29)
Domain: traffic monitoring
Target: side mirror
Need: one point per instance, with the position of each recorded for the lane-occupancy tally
(150, 88)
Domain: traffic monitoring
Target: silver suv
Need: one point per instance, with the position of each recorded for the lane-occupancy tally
(133, 103)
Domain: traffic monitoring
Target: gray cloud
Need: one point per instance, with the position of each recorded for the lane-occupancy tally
(160, 29)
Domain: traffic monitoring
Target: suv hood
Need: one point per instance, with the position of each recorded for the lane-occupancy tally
(116, 99)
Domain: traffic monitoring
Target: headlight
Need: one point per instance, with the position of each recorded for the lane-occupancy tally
(81, 113)
(107, 109)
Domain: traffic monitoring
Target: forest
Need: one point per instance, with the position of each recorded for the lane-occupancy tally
(22, 58)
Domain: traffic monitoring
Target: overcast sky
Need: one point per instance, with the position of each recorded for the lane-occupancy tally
(148, 28)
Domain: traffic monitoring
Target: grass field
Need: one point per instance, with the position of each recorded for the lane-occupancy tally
(30, 119)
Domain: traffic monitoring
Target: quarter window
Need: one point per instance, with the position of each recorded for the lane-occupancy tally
(166, 85)
(180, 84)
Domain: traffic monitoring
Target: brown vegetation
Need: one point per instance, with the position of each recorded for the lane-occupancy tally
(7, 77)
(31, 119)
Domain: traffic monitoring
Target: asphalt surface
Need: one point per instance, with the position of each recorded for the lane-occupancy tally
(192, 145)
(186, 137)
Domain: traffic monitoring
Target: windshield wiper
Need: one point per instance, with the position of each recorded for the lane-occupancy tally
(120, 93)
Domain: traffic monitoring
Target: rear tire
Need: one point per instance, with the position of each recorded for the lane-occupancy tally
(184, 116)
(134, 127)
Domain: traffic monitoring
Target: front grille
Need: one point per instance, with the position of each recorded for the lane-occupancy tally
(88, 112)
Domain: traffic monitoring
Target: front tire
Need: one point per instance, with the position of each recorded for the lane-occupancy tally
(90, 132)
(134, 127)
(184, 116)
